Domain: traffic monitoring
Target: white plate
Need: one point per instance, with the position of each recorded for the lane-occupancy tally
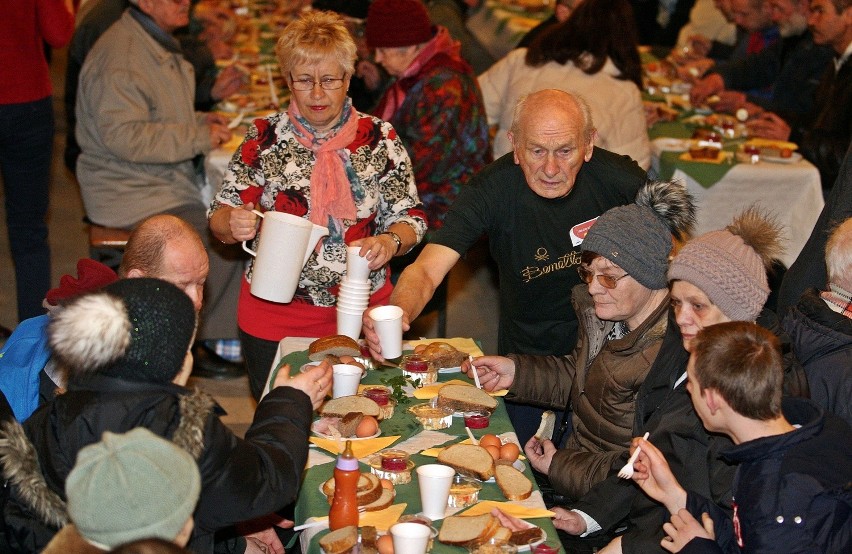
(796, 157)
(330, 437)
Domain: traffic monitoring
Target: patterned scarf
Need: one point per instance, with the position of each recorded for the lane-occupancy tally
(840, 298)
(441, 51)
(331, 191)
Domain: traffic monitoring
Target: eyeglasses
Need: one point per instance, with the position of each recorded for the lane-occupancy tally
(326, 83)
(606, 281)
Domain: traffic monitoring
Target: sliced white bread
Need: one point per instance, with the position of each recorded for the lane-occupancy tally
(339, 407)
(340, 541)
(469, 460)
(513, 483)
(467, 530)
(545, 428)
(382, 502)
(464, 398)
(501, 535)
(366, 496)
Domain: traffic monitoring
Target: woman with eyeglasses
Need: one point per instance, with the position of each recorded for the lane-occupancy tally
(622, 311)
(326, 162)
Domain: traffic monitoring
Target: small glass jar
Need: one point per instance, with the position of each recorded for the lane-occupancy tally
(382, 396)
(477, 419)
(416, 367)
(463, 492)
(432, 417)
(393, 465)
(545, 548)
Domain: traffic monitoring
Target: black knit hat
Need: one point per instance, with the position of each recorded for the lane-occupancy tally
(135, 329)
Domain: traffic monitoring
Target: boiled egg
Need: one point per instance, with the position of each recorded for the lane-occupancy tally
(510, 452)
(490, 440)
(385, 544)
(367, 427)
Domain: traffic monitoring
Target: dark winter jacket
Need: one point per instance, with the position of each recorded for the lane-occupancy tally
(822, 340)
(693, 454)
(242, 479)
(601, 378)
(793, 491)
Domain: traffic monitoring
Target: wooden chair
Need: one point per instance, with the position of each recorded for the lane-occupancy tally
(106, 244)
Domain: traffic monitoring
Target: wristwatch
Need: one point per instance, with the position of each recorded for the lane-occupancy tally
(396, 239)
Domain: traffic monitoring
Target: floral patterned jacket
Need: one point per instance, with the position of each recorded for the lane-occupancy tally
(272, 170)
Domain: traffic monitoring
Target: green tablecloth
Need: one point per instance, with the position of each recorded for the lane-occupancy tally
(312, 502)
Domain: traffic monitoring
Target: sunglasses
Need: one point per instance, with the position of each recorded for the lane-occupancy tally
(606, 281)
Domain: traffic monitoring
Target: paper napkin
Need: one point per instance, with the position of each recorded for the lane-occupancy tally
(510, 508)
(431, 391)
(360, 448)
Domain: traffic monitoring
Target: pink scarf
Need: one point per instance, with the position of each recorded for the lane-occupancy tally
(331, 191)
(441, 51)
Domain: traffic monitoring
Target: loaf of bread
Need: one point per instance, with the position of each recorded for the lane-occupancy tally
(469, 460)
(339, 407)
(340, 541)
(441, 353)
(464, 398)
(335, 345)
(513, 483)
(468, 530)
(545, 428)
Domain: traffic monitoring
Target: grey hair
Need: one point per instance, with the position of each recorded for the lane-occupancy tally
(582, 105)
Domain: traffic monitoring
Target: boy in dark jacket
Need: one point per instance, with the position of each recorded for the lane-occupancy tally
(792, 487)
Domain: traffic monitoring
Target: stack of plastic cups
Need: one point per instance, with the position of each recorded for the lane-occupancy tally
(354, 294)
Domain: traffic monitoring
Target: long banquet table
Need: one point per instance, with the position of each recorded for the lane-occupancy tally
(791, 192)
(312, 503)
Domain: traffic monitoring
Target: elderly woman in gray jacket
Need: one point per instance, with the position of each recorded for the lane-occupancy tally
(622, 311)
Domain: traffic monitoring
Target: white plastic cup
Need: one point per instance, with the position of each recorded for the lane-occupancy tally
(350, 286)
(352, 305)
(349, 323)
(387, 321)
(410, 537)
(357, 268)
(345, 380)
(434, 481)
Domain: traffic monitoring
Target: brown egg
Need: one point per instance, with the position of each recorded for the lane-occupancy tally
(385, 544)
(494, 451)
(367, 428)
(386, 484)
(510, 452)
(490, 440)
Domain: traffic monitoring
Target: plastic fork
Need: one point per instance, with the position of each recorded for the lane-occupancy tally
(627, 471)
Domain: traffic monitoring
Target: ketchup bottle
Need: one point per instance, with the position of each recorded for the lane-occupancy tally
(344, 507)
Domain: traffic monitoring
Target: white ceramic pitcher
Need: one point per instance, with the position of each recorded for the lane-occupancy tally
(285, 244)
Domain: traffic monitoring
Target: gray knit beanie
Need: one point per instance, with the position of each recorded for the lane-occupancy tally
(136, 329)
(729, 265)
(638, 237)
(132, 486)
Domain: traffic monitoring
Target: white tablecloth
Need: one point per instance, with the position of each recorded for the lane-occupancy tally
(790, 192)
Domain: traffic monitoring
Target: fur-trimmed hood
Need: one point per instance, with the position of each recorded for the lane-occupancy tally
(21, 469)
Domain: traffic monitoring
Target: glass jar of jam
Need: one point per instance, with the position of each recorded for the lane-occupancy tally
(393, 465)
(379, 395)
(476, 419)
(418, 368)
